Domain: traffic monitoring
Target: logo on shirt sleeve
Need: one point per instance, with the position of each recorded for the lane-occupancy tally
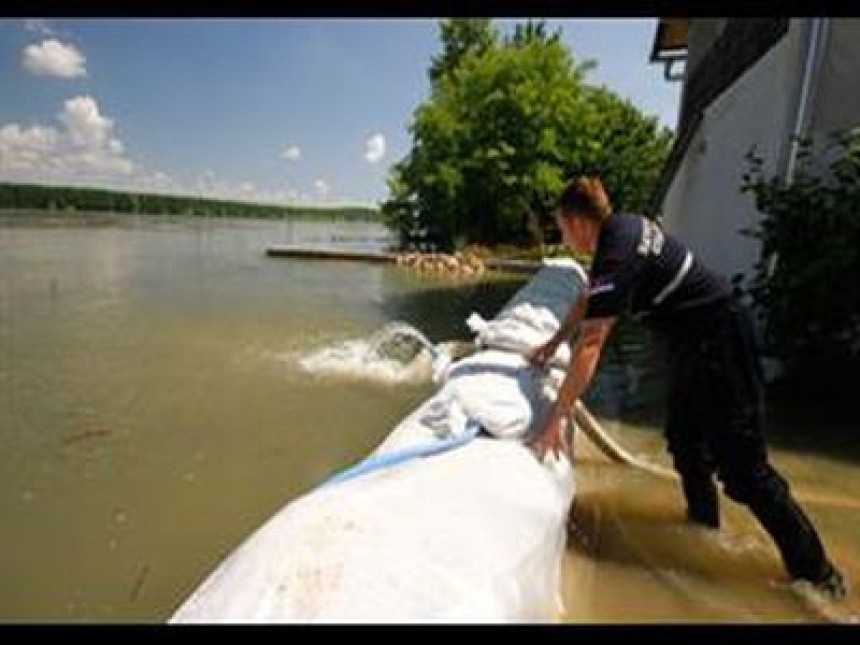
(651, 241)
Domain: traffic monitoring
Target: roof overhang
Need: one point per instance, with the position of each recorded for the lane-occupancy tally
(670, 45)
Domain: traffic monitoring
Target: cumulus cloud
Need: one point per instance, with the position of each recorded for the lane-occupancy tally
(375, 148)
(84, 148)
(322, 188)
(85, 125)
(25, 148)
(53, 58)
(292, 153)
(208, 185)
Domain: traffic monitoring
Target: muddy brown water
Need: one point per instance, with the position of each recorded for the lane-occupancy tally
(153, 414)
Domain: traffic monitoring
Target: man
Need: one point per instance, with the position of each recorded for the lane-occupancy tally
(714, 419)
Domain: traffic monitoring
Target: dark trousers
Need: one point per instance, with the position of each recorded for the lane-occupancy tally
(714, 425)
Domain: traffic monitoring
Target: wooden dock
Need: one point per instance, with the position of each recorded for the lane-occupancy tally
(286, 251)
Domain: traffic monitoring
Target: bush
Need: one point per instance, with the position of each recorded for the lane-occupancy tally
(806, 285)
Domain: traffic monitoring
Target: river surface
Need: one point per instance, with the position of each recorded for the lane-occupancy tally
(154, 412)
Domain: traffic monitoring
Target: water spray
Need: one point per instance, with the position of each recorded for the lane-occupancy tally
(386, 342)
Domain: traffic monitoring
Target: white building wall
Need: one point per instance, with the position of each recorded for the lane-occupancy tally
(703, 205)
(836, 103)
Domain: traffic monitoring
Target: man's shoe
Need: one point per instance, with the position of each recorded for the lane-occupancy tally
(832, 586)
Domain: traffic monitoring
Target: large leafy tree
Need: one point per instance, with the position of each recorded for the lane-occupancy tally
(506, 122)
(460, 37)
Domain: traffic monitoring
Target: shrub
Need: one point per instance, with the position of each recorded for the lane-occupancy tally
(806, 284)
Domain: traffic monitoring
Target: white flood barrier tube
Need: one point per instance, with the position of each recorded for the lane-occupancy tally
(475, 534)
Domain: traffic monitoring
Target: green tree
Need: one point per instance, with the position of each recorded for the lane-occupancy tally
(505, 124)
(530, 32)
(461, 36)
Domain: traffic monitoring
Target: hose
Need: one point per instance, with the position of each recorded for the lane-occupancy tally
(611, 448)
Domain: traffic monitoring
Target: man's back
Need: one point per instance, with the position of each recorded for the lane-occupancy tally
(639, 268)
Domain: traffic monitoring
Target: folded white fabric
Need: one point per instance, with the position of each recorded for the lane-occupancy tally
(535, 313)
(500, 390)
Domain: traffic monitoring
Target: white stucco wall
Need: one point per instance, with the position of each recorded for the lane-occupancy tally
(836, 104)
(704, 206)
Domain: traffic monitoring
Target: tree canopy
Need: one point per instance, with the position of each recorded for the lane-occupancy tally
(507, 121)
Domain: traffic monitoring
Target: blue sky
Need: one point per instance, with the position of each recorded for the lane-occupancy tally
(287, 110)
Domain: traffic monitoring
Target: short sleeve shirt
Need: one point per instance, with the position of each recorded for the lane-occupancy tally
(639, 268)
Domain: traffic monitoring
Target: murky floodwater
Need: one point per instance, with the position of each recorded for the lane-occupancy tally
(153, 413)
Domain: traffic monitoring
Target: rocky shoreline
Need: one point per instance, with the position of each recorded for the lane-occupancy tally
(457, 264)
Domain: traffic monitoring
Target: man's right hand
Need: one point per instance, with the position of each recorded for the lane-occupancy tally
(541, 355)
(550, 436)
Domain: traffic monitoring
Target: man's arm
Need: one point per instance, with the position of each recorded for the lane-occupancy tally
(542, 355)
(583, 362)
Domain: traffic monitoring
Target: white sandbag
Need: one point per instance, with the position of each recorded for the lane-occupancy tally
(535, 312)
(476, 534)
(501, 391)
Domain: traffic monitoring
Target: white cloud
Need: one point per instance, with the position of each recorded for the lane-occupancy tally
(322, 188)
(83, 149)
(375, 148)
(292, 153)
(53, 58)
(25, 148)
(86, 126)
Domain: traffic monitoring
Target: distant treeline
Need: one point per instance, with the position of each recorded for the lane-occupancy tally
(58, 199)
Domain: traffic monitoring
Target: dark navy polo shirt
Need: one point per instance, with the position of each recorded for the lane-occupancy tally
(637, 269)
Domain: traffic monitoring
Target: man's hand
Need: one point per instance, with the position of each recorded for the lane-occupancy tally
(541, 355)
(551, 435)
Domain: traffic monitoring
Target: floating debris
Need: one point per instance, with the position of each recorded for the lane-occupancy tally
(89, 434)
(138, 585)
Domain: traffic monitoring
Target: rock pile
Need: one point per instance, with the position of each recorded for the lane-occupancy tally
(458, 264)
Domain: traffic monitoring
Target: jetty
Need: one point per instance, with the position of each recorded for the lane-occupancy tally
(309, 253)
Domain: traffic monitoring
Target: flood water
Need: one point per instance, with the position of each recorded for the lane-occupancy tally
(153, 413)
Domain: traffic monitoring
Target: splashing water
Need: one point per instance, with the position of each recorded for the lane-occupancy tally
(398, 352)
(399, 341)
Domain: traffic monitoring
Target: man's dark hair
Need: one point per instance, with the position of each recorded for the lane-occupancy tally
(586, 196)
